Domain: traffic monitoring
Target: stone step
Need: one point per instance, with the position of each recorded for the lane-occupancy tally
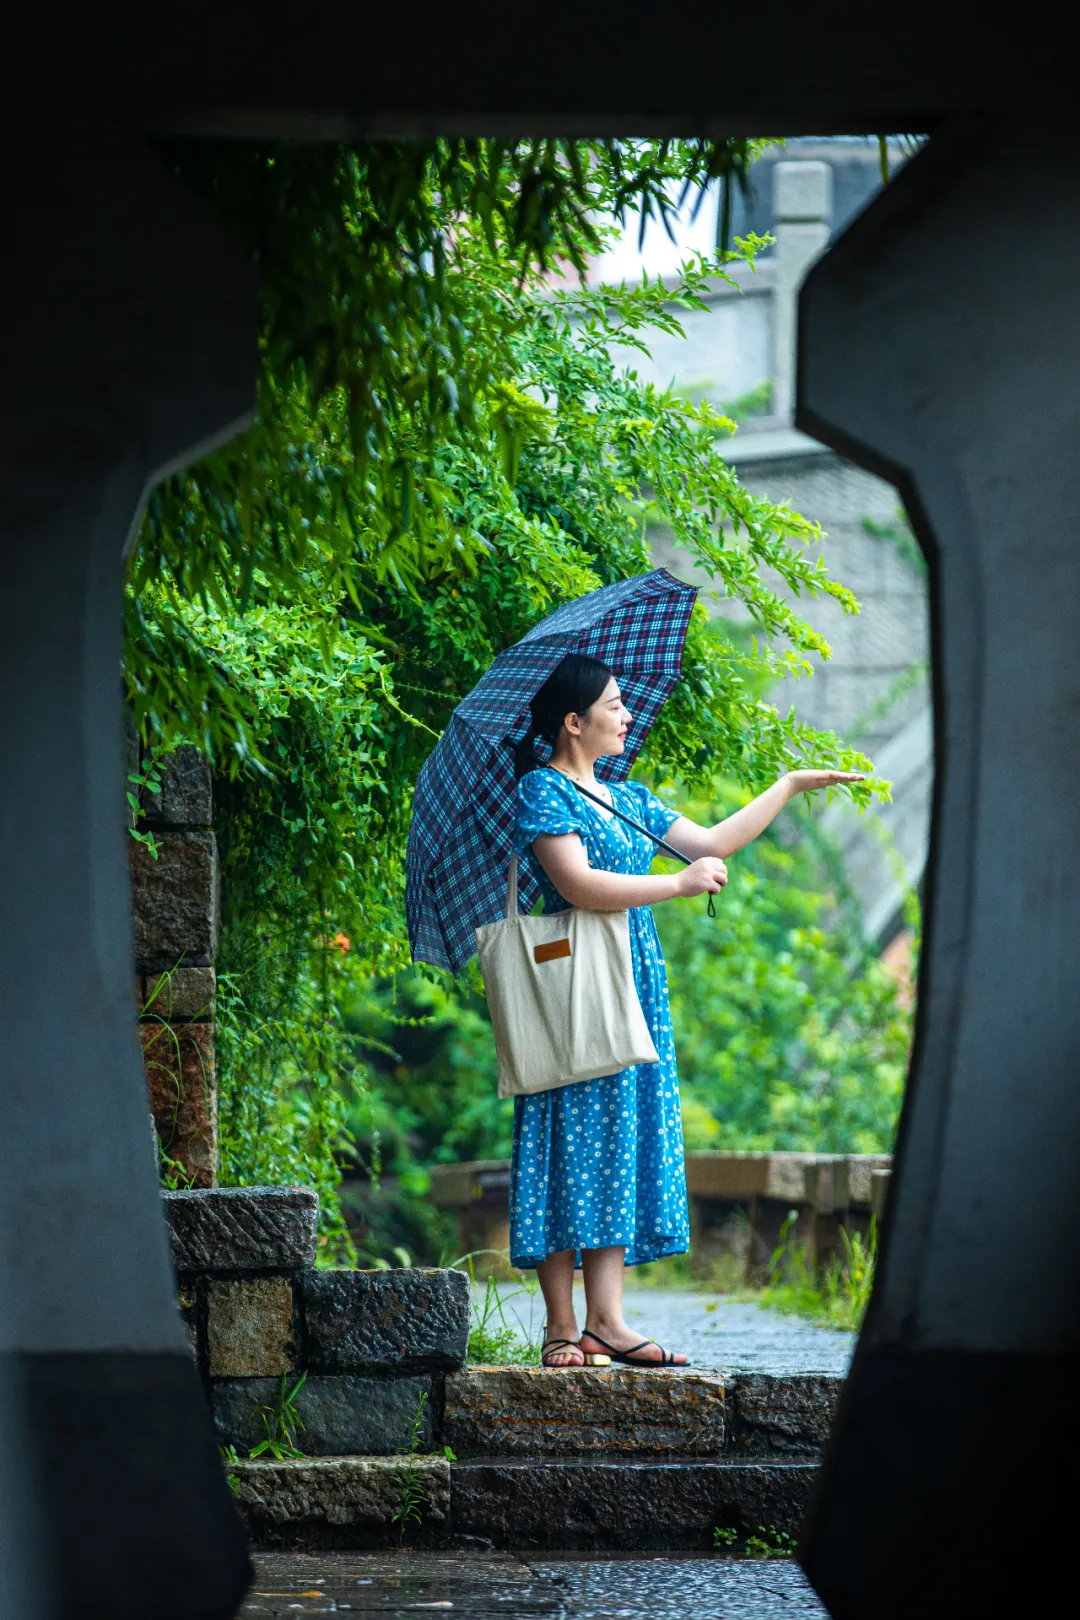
(633, 1412)
(602, 1503)
(619, 1504)
(328, 1501)
(535, 1411)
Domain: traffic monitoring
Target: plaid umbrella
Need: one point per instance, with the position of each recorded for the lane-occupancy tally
(463, 808)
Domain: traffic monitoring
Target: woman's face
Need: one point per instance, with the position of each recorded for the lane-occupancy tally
(603, 727)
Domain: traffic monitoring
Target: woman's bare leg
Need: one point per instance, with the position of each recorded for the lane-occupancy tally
(604, 1270)
(556, 1278)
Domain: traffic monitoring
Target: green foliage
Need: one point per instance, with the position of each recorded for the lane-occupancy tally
(770, 1543)
(789, 1035)
(281, 1424)
(148, 780)
(443, 452)
(428, 1055)
(230, 1455)
(285, 1073)
(755, 402)
(493, 1340)
(410, 1508)
(835, 1295)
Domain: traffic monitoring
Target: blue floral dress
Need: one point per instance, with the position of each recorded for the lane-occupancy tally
(600, 1163)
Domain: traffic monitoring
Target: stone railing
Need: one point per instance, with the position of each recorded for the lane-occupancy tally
(738, 1204)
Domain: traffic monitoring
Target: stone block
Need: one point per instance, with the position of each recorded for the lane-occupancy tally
(191, 1315)
(453, 1186)
(747, 1175)
(835, 1182)
(243, 1228)
(625, 1504)
(802, 190)
(181, 1086)
(340, 1416)
(826, 1184)
(531, 1411)
(341, 1491)
(861, 1171)
(174, 901)
(185, 993)
(250, 1328)
(782, 1412)
(186, 796)
(879, 1191)
(369, 1321)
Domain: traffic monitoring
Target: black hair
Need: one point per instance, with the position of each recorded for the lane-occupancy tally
(572, 688)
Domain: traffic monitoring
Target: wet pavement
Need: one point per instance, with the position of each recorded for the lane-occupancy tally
(484, 1584)
(713, 1330)
(705, 1588)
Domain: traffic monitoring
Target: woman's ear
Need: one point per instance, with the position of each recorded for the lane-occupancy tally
(572, 722)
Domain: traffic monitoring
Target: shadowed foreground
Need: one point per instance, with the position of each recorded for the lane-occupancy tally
(478, 1583)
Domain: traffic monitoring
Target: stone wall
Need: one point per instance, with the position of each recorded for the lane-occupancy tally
(175, 904)
(359, 1378)
(373, 1347)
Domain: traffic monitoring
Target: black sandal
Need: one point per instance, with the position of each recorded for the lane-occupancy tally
(554, 1346)
(627, 1357)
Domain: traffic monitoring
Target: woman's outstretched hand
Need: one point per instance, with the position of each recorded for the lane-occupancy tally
(810, 781)
(705, 876)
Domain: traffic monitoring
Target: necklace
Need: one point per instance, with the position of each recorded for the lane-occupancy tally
(598, 789)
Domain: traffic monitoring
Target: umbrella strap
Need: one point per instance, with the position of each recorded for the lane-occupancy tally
(662, 843)
(630, 822)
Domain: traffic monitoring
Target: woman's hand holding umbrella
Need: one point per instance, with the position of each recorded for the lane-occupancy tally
(707, 875)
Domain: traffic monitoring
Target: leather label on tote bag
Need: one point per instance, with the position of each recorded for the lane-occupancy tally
(549, 953)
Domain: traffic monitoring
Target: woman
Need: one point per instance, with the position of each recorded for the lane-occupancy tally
(597, 1176)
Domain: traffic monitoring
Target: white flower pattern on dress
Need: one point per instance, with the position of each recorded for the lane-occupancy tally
(601, 1163)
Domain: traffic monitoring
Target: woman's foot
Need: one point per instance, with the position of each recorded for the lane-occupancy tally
(561, 1348)
(617, 1339)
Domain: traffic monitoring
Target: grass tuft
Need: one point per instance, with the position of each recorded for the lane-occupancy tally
(494, 1341)
(836, 1296)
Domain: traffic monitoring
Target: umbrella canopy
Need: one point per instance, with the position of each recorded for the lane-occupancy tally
(464, 805)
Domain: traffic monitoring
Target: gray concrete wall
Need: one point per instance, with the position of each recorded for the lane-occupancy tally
(919, 360)
(129, 348)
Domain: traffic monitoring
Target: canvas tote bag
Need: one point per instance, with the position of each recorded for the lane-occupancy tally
(560, 988)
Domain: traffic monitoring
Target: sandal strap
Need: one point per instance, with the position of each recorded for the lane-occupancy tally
(667, 1357)
(632, 1350)
(599, 1340)
(554, 1346)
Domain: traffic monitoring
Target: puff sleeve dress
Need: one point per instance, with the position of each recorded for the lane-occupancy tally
(600, 1163)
